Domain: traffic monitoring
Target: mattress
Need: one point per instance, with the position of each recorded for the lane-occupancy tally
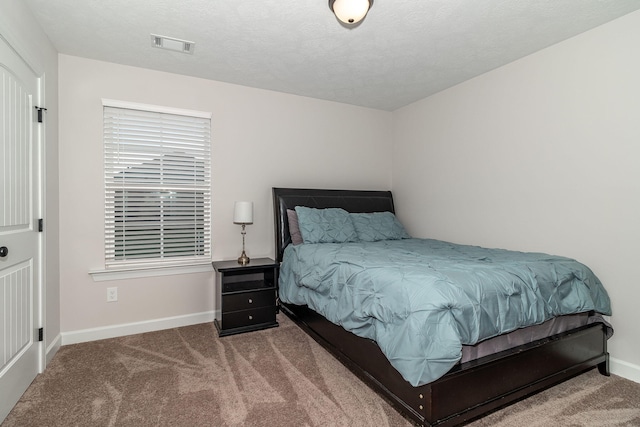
(554, 326)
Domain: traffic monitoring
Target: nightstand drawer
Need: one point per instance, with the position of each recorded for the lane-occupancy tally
(255, 316)
(248, 300)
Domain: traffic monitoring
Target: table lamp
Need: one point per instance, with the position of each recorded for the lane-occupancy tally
(243, 214)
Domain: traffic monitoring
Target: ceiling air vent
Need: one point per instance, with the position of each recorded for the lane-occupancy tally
(171, 43)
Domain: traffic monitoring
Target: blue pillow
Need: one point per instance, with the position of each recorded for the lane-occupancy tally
(372, 227)
(332, 225)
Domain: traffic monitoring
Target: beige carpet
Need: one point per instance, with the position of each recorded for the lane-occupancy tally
(277, 377)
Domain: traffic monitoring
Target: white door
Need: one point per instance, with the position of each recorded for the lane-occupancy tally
(20, 241)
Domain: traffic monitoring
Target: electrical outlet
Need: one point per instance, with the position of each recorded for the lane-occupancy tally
(112, 294)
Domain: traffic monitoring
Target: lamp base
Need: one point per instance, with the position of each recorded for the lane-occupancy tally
(244, 259)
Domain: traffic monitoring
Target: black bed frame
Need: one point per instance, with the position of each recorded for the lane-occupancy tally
(470, 389)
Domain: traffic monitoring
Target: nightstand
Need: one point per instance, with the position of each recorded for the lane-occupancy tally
(245, 296)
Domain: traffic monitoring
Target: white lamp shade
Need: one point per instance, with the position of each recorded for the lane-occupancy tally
(350, 11)
(243, 213)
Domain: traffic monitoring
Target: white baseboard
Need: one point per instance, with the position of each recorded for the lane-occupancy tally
(52, 349)
(624, 369)
(94, 334)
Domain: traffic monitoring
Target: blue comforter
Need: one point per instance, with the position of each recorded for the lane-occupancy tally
(422, 299)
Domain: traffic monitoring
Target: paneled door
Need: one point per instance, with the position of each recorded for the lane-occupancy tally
(20, 241)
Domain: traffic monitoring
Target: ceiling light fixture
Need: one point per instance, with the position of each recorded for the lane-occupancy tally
(350, 11)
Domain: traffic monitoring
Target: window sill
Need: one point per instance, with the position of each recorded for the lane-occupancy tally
(134, 273)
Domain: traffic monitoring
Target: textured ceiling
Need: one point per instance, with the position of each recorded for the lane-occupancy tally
(403, 51)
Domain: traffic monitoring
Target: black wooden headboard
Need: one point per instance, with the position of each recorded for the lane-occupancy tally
(349, 200)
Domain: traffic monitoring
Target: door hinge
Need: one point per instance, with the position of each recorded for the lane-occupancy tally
(40, 110)
(41, 225)
(41, 334)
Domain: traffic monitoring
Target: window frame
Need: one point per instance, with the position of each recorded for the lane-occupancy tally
(161, 265)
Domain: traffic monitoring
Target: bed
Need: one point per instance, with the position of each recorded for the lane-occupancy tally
(482, 380)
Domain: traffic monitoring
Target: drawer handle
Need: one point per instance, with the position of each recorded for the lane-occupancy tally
(250, 317)
(250, 301)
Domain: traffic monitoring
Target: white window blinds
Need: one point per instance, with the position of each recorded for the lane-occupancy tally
(157, 187)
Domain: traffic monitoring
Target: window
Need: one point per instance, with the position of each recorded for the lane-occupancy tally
(157, 186)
